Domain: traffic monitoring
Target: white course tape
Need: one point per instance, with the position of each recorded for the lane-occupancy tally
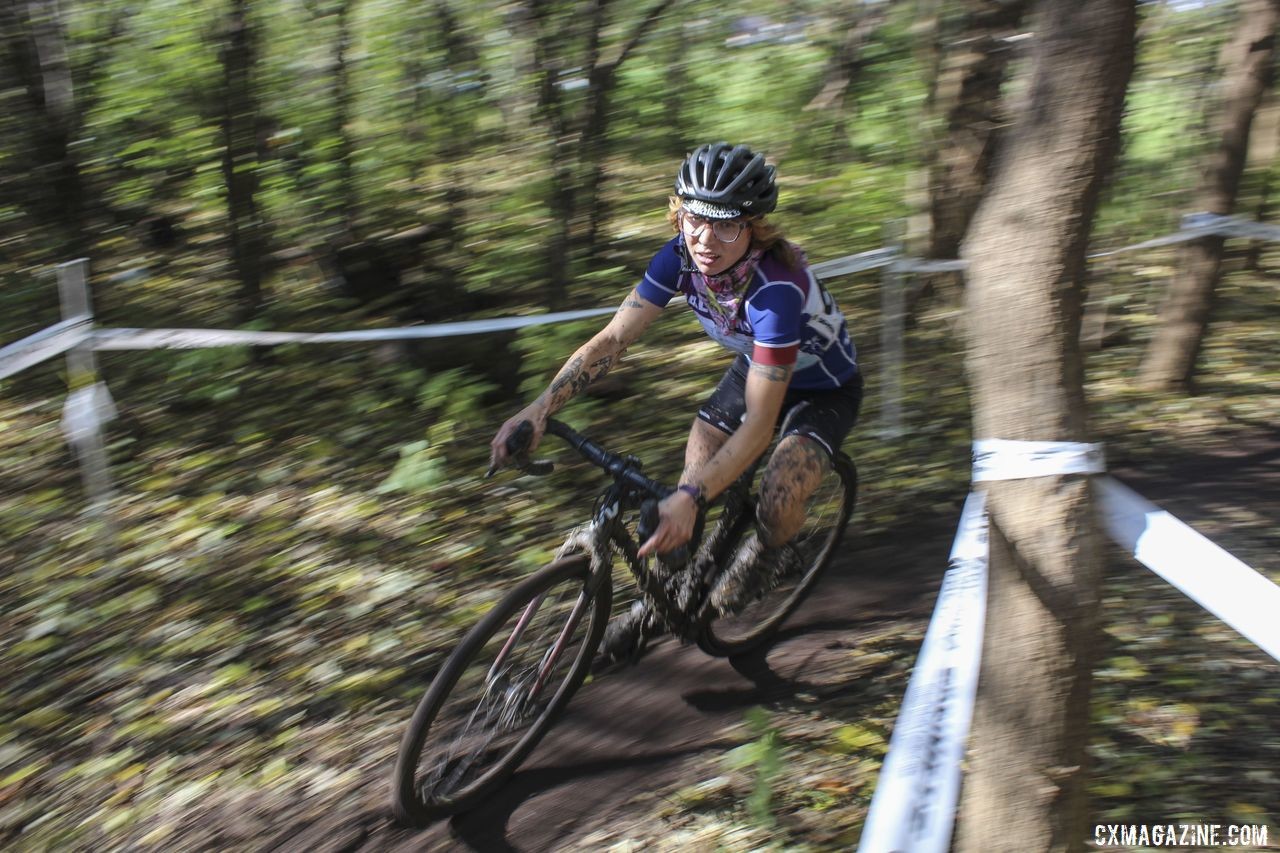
(136, 339)
(914, 805)
(1002, 459)
(129, 339)
(860, 262)
(924, 265)
(1217, 581)
(1184, 236)
(44, 344)
(1232, 226)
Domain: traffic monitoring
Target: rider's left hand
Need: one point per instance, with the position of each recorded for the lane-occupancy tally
(677, 514)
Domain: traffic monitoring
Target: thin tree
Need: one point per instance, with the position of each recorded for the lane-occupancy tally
(602, 79)
(1248, 61)
(1025, 790)
(348, 197)
(968, 57)
(965, 98)
(568, 40)
(240, 154)
(47, 177)
(834, 103)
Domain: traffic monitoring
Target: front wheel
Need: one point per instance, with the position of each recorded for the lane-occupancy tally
(499, 692)
(829, 510)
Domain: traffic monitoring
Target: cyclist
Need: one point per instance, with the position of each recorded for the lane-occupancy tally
(795, 367)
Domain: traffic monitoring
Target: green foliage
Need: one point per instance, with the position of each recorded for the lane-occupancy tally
(419, 469)
(211, 375)
(763, 757)
(297, 537)
(450, 402)
(543, 349)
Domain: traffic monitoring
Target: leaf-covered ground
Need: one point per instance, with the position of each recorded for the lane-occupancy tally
(298, 535)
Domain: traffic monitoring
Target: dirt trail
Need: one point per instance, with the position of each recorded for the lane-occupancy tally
(629, 734)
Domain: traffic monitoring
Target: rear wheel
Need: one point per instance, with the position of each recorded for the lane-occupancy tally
(499, 692)
(829, 510)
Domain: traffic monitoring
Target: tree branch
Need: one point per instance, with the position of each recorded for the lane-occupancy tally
(641, 32)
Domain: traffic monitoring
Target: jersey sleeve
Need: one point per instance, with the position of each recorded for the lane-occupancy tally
(662, 279)
(776, 313)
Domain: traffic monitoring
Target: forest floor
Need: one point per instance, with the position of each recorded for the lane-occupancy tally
(649, 758)
(296, 541)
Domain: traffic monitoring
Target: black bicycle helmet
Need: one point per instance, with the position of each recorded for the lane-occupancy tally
(723, 181)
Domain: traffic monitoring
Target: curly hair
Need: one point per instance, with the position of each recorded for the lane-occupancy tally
(765, 235)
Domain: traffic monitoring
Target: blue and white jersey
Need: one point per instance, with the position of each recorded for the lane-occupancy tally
(785, 316)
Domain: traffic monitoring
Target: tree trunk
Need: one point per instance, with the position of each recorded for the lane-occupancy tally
(1247, 61)
(832, 102)
(965, 97)
(246, 228)
(552, 111)
(602, 79)
(675, 93)
(458, 54)
(576, 133)
(37, 51)
(1264, 140)
(1025, 790)
(595, 131)
(967, 112)
(347, 200)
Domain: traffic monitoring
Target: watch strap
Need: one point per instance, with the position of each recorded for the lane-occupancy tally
(694, 492)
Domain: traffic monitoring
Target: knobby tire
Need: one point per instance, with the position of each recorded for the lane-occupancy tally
(422, 794)
(758, 621)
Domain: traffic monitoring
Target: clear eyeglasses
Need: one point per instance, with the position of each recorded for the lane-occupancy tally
(725, 230)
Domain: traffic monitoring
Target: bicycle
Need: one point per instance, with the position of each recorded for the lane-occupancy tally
(500, 690)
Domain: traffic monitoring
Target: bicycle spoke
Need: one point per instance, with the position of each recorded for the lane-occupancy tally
(499, 689)
(825, 518)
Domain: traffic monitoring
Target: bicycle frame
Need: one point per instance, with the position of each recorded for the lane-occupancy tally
(628, 491)
(603, 529)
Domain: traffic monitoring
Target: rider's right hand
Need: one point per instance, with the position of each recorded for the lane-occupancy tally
(535, 415)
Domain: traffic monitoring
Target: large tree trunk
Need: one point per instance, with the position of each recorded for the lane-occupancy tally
(1248, 61)
(240, 156)
(1026, 248)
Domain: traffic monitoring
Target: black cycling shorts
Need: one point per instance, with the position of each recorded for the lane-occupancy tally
(824, 416)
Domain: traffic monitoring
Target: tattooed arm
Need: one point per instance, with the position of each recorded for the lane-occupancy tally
(766, 386)
(590, 362)
(765, 389)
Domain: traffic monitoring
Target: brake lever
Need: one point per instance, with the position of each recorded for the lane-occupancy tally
(518, 450)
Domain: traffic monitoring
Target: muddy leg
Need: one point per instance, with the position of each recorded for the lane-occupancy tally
(793, 474)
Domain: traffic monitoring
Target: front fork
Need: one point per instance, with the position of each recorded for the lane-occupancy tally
(553, 654)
